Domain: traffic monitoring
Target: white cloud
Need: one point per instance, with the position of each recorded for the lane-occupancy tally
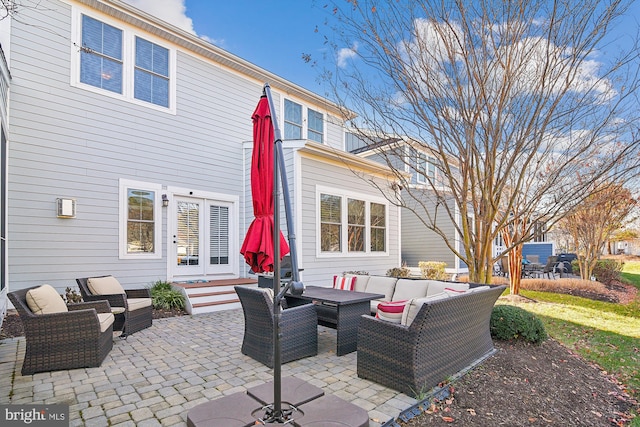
(171, 11)
(345, 54)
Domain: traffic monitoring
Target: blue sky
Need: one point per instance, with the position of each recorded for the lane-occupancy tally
(271, 34)
(274, 34)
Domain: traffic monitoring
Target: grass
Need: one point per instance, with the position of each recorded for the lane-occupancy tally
(604, 333)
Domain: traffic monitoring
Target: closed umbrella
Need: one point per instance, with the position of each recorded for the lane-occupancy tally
(258, 248)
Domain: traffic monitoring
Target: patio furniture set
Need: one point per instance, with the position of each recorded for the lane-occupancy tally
(409, 334)
(62, 336)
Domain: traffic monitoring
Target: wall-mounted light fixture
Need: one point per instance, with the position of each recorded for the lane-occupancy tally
(165, 201)
(66, 208)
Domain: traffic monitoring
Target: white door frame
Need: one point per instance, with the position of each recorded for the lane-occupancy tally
(205, 199)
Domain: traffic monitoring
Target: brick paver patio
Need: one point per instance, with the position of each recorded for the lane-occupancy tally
(156, 375)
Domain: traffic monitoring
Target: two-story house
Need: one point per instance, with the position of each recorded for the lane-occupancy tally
(126, 150)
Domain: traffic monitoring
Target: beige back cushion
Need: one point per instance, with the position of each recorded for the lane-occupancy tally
(45, 300)
(413, 307)
(437, 287)
(361, 282)
(136, 303)
(382, 285)
(408, 288)
(105, 286)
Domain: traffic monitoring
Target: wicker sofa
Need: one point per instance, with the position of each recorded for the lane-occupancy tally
(58, 339)
(449, 333)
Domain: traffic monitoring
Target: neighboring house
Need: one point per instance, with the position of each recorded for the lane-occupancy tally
(418, 243)
(129, 147)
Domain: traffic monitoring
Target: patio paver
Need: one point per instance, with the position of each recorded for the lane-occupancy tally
(156, 375)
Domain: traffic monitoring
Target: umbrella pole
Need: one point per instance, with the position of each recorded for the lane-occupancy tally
(277, 366)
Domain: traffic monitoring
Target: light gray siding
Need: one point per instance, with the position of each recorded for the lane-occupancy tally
(319, 270)
(70, 142)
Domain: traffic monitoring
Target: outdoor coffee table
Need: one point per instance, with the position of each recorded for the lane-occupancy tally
(338, 309)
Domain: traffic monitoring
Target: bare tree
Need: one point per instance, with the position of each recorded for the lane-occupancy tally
(593, 222)
(522, 104)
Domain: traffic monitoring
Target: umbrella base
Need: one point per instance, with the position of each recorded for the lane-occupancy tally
(248, 409)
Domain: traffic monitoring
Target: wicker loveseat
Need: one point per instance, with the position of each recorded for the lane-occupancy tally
(448, 334)
(298, 327)
(78, 338)
(132, 307)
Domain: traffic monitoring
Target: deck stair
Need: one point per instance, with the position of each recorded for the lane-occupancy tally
(202, 296)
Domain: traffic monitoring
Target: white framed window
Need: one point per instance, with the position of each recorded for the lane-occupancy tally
(425, 167)
(113, 59)
(351, 224)
(140, 220)
(315, 122)
(296, 127)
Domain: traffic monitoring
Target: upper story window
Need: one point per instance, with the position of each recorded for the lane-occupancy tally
(316, 126)
(296, 128)
(101, 55)
(152, 73)
(292, 120)
(425, 167)
(120, 63)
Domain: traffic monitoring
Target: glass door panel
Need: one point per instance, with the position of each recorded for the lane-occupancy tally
(188, 256)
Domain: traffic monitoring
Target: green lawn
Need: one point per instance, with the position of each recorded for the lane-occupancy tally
(607, 334)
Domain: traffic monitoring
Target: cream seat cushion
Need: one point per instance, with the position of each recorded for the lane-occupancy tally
(135, 303)
(45, 300)
(105, 286)
(106, 320)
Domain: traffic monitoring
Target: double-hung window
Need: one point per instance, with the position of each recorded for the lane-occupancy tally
(151, 80)
(101, 61)
(140, 220)
(292, 120)
(120, 63)
(425, 167)
(315, 126)
(361, 223)
(296, 128)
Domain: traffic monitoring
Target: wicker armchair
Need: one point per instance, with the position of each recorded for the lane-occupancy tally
(66, 340)
(298, 327)
(128, 320)
(445, 337)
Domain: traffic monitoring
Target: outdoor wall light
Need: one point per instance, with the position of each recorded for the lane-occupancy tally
(165, 201)
(66, 208)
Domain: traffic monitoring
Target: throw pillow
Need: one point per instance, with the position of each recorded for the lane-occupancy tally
(391, 311)
(45, 300)
(344, 283)
(453, 292)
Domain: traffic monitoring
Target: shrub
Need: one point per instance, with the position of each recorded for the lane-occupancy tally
(71, 296)
(433, 270)
(607, 270)
(509, 323)
(399, 272)
(165, 296)
(357, 273)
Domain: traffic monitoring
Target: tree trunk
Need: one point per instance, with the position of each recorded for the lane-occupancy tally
(515, 269)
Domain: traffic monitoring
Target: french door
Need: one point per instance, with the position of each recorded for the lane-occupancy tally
(203, 240)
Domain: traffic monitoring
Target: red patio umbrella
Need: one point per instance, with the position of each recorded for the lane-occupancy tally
(257, 247)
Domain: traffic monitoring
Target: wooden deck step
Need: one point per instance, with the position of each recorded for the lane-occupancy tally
(213, 295)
